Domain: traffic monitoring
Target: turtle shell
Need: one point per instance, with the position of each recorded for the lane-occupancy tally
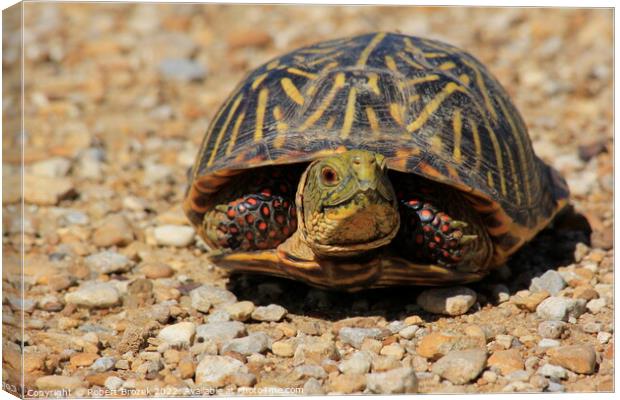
(430, 108)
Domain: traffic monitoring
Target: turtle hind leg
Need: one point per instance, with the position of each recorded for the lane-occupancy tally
(256, 212)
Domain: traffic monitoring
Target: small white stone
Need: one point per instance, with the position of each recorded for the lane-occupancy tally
(596, 305)
(547, 343)
(272, 312)
(489, 376)
(94, 294)
(603, 337)
(552, 371)
(107, 262)
(113, 383)
(504, 340)
(408, 332)
(55, 167)
(179, 334)
(174, 235)
(451, 301)
(358, 363)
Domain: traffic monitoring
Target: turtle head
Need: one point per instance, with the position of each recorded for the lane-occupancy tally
(347, 204)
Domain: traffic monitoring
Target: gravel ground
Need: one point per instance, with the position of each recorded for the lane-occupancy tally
(120, 298)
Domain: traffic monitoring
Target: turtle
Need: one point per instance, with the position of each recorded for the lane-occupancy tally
(370, 161)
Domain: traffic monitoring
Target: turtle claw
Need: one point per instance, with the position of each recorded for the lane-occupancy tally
(458, 224)
(466, 239)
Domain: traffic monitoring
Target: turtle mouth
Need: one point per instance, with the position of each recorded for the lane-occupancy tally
(363, 219)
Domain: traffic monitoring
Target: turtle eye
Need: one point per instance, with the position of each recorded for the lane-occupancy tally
(329, 176)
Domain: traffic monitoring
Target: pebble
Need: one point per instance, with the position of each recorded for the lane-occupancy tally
(94, 294)
(603, 337)
(400, 380)
(518, 387)
(547, 343)
(74, 217)
(577, 358)
(205, 296)
(489, 376)
(393, 350)
(174, 235)
(46, 191)
(355, 336)
(408, 332)
(312, 371)
(254, 343)
(461, 366)
(217, 371)
(55, 167)
(551, 281)
(501, 293)
(83, 359)
(103, 364)
(313, 387)
(316, 349)
(552, 371)
(531, 301)
(115, 230)
(240, 311)
(552, 329)
(180, 334)
(285, 348)
(396, 326)
(59, 382)
(182, 69)
(596, 305)
(107, 262)
(218, 316)
(438, 344)
(220, 332)
(154, 173)
(156, 270)
(507, 361)
(450, 301)
(586, 292)
(504, 340)
(593, 327)
(518, 376)
(347, 383)
(358, 363)
(113, 383)
(560, 308)
(555, 387)
(272, 312)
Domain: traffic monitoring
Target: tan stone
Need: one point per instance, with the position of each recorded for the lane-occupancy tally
(114, 231)
(585, 292)
(507, 361)
(348, 383)
(83, 359)
(45, 191)
(577, 358)
(283, 348)
(437, 344)
(394, 350)
(186, 367)
(530, 302)
(156, 270)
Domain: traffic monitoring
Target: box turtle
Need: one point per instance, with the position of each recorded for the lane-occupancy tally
(376, 160)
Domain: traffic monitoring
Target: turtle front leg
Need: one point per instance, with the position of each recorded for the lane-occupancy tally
(256, 212)
(430, 234)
